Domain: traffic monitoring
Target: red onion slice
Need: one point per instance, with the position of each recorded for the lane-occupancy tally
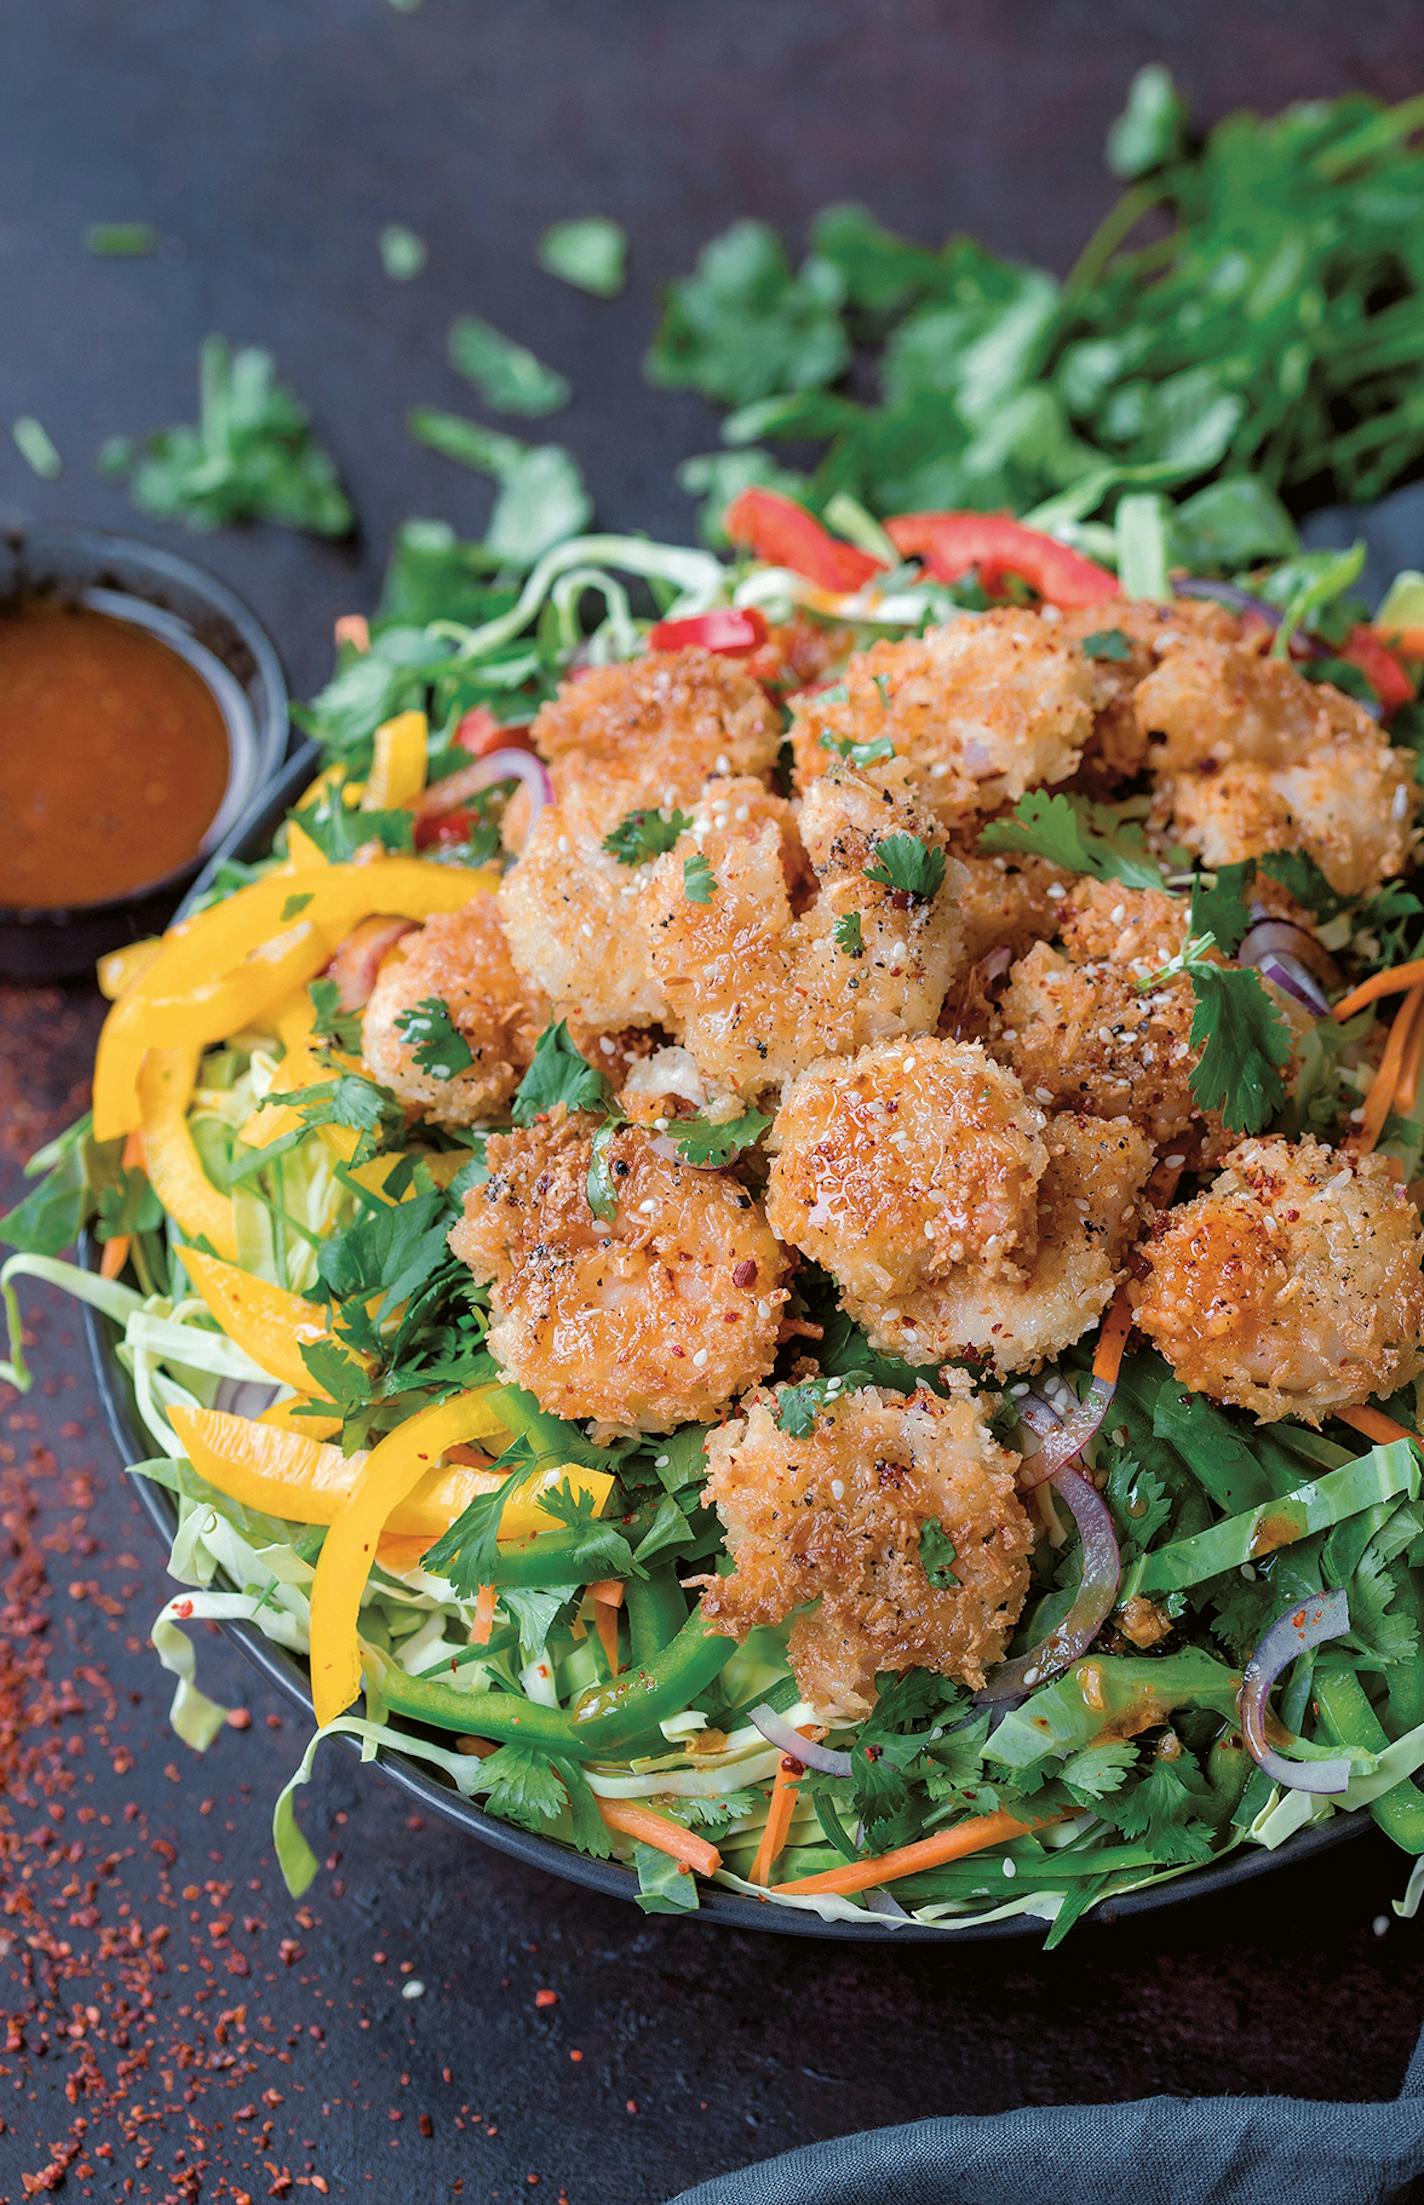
(1268, 932)
(1289, 974)
(1227, 593)
(788, 1740)
(1311, 1622)
(1092, 1603)
(498, 765)
(1065, 1437)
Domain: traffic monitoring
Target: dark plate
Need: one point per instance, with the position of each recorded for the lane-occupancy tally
(290, 1676)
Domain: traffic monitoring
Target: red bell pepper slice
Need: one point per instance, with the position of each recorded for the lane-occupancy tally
(479, 732)
(442, 830)
(1364, 648)
(949, 544)
(784, 534)
(730, 631)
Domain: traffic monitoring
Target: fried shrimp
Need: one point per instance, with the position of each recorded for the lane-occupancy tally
(1252, 757)
(570, 913)
(957, 1217)
(773, 948)
(461, 960)
(1122, 641)
(838, 1517)
(654, 732)
(978, 710)
(654, 1315)
(1293, 1286)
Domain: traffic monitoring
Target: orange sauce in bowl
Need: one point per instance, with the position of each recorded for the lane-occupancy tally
(114, 756)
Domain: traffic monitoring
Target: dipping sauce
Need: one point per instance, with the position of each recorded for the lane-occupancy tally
(114, 756)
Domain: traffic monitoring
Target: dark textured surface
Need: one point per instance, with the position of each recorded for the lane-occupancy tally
(270, 143)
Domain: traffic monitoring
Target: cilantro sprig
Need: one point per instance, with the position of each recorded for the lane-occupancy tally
(1078, 835)
(436, 1042)
(1243, 1041)
(912, 867)
(559, 1073)
(645, 834)
(720, 1141)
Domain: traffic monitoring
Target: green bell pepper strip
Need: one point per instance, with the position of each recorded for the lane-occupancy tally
(1383, 1474)
(657, 1611)
(608, 1722)
(1351, 1721)
(570, 1557)
(1111, 1696)
(1404, 1680)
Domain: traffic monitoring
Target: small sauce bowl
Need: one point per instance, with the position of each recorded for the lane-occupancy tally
(161, 608)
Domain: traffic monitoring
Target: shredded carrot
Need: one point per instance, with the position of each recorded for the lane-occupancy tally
(605, 1623)
(907, 1860)
(482, 1629)
(778, 1819)
(1396, 981)
(1112, 1339)
(353, 628)
(1375, 1425)
(632, 1820)
(1406, 1093)
(1379, 1101)
(609, 1590)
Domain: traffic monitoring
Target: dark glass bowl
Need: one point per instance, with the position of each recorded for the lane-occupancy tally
(200, 619)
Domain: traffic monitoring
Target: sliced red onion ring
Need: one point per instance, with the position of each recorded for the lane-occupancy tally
(1227, 593)
(1311, 1622)
(788, 1740)
(1270, 933)
(1289, 974)
(485, 773)
(1065, 1437)
(244, 1396)
(1092, 1603)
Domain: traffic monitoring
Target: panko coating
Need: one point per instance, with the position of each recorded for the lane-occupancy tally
(837, 1518)
(655, 1316)
(1252, 757)
(1008, 902)
(460, 958)
(1143, 632)
(978, 710)
(1294, 1286)
(761, 977)
(570, 913)
(956, 1216)
(655, 731)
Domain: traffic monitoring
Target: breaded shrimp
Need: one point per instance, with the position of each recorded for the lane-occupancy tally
(1118, 746)
(1008, 902)
(794, 952)
(837, 1518)
(1294, 1286)
(956, 1216)
(978, 710)
(570, 913)
(654, 1316)
(655, 732)
(1252, 757)
(461, 959)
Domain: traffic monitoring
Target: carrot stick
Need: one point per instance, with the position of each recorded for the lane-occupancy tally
(1380, 1098)
(908, 1860)
(1375, 1425)
(780, 1809)
(116, 1251)
(609, 1590)
(649, 1827)
(1112, 1339)
(605, 1622)
(1406, 1093)
(482, 1629)
(1394, 982)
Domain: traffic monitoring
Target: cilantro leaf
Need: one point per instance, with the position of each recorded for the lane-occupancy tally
(1221, 910)
(350, 1100)
(589, 251)
(699, 883)
(340, 829)
(1081, 837)
(848, 935)
(645, 834)
(797, 1407)
(743, 326)
(1108, 643)
(403, 252)
(1159, 1810)
(857, 754)
(542, 497)
(1243, 1041)
(905, 863)
(522, 1787)
(342, 1029)
(558, 1074)
(937, 1554)
(602, 1194)
(709, 1142)
(506, 375)
(439, 1047)
(1094, 1771)
(335, 1374)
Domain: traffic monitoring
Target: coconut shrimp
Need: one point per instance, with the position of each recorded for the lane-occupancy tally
(979, 710)
(652, 1316)
(570, 913)
(958, 1218)
(654, 732)
(792, 951)
(1252, 757)
(1141, 633)
(837, 1518)
(1293, 1286)
(461, 960)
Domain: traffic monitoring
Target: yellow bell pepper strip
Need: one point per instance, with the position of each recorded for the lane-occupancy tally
(283, 1417)
(302, 851)
(392, 1470)
(166, 1079)
(267, 1322)
(398, 763)
(266, 1122)
(119, 968)
(215, 942)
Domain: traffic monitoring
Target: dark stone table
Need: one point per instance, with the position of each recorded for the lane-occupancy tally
(176, 2029)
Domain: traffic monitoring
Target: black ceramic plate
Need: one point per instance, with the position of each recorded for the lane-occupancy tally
(289, 1675)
